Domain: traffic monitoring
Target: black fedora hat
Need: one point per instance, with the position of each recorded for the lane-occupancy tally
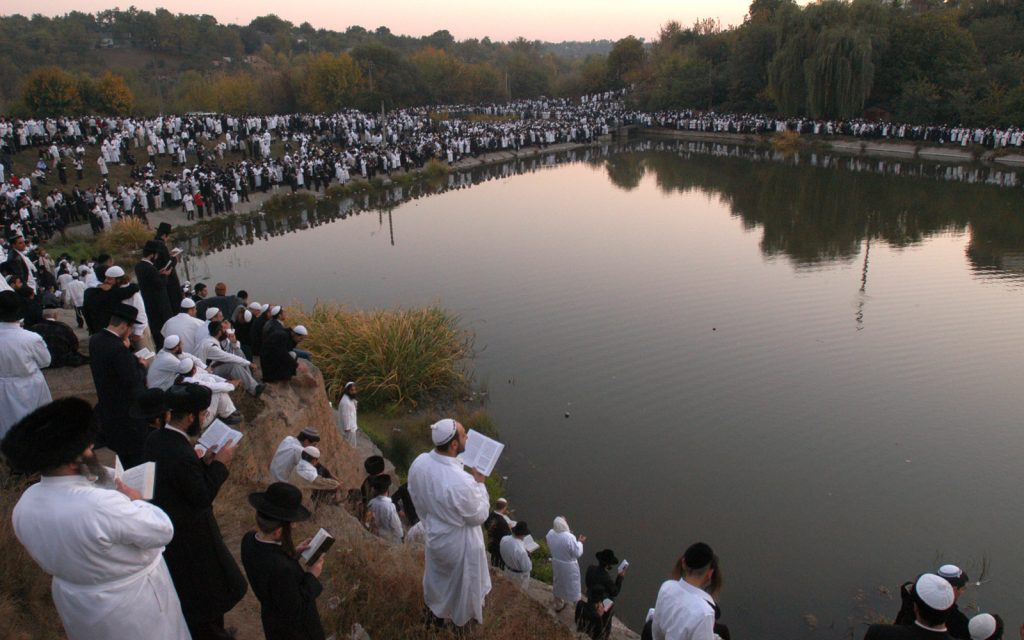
(607, 557)
(374, 465)
(151, 246)
(163, 228)
(126, 312)
(149, 405)
(281, 501)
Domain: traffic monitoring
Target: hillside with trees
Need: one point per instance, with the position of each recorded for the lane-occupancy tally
(918, 61)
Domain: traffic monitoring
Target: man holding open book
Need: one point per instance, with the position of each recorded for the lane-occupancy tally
(452, 504)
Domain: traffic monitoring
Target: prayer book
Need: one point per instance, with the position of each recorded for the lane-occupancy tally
(318, 546)
(608, 603)
(175, 252)
(140, 478)
(144, 353)
(217, 436)
(481, 453)
(623, 566)
(530, 544)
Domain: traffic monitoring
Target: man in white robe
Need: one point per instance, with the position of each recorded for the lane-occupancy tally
(289, 452)
(103, 547)
(22, 354)
(385, 516)
(184, 325)
(454, 505)
(516, 557)
(346, 418)
(566, 550)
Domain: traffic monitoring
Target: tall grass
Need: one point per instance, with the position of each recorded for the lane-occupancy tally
(287, 201)
(400, 358)
(124, 238)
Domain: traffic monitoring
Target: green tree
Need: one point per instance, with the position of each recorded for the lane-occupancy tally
(115, 97)
(330, 82)
(51, 91)
(839, 73)
(624, 61)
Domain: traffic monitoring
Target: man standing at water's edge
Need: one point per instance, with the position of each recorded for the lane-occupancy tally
(454, 505)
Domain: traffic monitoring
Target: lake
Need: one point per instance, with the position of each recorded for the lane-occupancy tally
(811, 363)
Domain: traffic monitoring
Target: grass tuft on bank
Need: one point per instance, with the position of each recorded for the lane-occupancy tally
(401, 358)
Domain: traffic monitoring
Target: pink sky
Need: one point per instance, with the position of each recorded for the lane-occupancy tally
(533, 19)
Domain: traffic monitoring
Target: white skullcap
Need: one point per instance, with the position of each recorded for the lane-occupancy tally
(560, 525)
(934, 591)
(276, 309)
(950, 571)
(301, 330)
(982, 626)
(264, 308)
(255, 306)
(115, 272)
(311, 451)
(247, 315)
(185, 365)
(212, 312)
(442, 431)
(171, 341)
(188, 303)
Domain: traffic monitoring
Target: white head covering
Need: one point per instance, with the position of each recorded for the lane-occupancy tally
(188, 303)
(311, 451)
(982, 626)
(212, 312)
(171, 341)
(301, 330)
(264, 308)
(275, 310)
(560, 525)
(255, 306)
(934, 591)
(247, 315)
(115, 272)
(185, 365)
(442, 431)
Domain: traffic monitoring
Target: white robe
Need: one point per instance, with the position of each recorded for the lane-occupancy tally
(184, 326)
(566, 551)
(517, 561)
(452, 506)
(23, 388)
(288, 454)
(683, 611)
(389, 526)
(105, 553)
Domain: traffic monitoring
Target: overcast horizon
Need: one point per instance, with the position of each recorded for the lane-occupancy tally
(573, 20)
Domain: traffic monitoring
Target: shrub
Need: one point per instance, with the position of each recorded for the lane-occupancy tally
(124, 238)
(401, 357)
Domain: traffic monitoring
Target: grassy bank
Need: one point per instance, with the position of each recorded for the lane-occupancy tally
(123, 241)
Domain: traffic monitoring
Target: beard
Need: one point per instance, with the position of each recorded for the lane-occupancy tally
(91, 468)
(194, 428)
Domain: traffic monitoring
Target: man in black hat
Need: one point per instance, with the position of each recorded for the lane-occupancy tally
(119, 378)
(153, 286)
(151, 408)
(102, 546)
(286, 588)
(205, 575)
(165, 262)
(593, 615)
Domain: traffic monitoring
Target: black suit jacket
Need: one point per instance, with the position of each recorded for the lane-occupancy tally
(163, 258)
(205, 575)
(97, 303)
(119, 379)
(286, 592)
(153, 286)
(16, 266)
(276, 361)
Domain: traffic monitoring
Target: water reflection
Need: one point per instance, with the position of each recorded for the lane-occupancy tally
(812, 209)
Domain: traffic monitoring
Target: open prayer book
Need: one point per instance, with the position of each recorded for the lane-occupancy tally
(318, 546)
(141, 477)
(622, 566)
(481, 453)
(530, 544)
(144, 353)
(217, 436)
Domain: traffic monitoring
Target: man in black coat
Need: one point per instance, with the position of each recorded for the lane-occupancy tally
(933, 599)
(277, 361)
(119, 378)
(163, 261)
(99, 301)
(153, 286)
(256, 333)
(205, 575)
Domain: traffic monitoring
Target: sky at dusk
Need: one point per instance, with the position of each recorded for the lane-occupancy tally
(549, 20)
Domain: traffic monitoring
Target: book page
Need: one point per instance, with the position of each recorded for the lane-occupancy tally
(530, 544)
(144, 353)
(481, 453)
(141, 478)
(218, 435)
(314, 545)
(623, 566)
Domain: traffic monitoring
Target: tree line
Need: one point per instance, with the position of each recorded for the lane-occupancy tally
(917, 61)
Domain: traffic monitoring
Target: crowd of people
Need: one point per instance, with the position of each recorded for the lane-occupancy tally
(207, 164)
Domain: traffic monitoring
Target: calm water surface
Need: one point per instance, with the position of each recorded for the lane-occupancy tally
(815, 370)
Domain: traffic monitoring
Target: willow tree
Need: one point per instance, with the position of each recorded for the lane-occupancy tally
(839, 73)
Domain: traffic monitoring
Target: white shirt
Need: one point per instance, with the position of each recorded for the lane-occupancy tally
(183, 326)
(514, 555)
(209, 351)
(452, 506)
(105, 553)
(23, 388)
(683, 612)
(76, 289)
(389, 525)
(347, 414)
(288, 454)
